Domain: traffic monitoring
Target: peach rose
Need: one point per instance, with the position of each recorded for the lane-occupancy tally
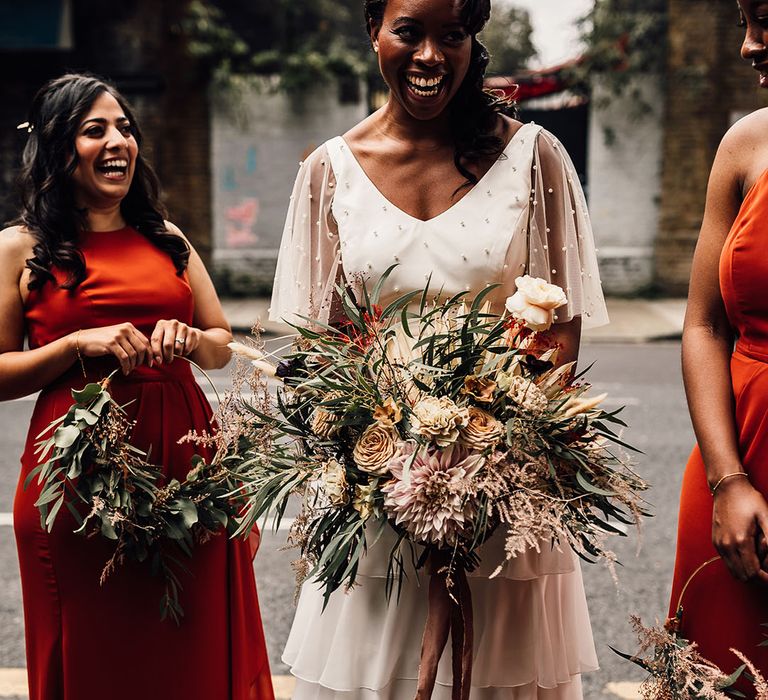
(482, 430)
(375, 448)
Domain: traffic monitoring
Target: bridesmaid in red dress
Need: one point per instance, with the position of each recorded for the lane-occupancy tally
(723, 508)
(96, 279)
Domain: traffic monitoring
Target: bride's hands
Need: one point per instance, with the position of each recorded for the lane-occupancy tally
(123, 340)
(173, 337)
(739, 527)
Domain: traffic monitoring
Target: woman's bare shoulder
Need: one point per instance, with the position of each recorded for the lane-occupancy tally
(16, 242)
(743, 152)
(16, 247)
(170, 227)
(747, 132)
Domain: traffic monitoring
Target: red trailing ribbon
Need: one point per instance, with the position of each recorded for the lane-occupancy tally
(450, 611)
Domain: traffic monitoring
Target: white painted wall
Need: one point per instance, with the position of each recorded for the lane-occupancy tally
(254, 159)
(625, 188)
(624, 176)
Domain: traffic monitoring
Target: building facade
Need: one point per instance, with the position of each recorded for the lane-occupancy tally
(138, 45)
(707, 88)
(227, 174)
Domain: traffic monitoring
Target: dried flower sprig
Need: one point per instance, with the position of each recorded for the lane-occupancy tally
(677, 670)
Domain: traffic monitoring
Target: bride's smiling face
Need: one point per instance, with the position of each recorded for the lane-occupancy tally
(424, 53)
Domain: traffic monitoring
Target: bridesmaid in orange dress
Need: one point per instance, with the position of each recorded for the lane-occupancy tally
(96, 280)
(723, 508)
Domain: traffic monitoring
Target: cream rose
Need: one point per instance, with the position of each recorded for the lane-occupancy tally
(527, 395)
(482, 430)
(535, 302)
(439, 420)
(335, 483)
(375, 448)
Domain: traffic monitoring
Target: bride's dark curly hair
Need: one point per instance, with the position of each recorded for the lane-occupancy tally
(48, 209)
(474, 112)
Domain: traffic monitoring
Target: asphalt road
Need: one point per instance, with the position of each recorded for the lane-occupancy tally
(645, 378)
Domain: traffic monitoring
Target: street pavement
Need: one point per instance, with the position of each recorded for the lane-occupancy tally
(644, 376)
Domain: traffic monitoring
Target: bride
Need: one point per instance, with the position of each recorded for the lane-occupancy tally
(440, 182)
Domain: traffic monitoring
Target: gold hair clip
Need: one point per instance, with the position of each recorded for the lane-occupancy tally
(25, 125)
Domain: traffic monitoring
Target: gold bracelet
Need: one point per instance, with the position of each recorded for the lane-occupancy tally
(723, 478)
(79, 356)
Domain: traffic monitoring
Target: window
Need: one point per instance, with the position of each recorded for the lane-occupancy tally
(36, 24)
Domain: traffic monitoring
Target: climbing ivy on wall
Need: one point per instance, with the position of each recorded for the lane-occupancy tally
(299, 43)
(624, 39)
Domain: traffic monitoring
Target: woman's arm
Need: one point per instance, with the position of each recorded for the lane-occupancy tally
(740, 512)
(560, 245)
(568, 336)
(206, 340)
(25, 372)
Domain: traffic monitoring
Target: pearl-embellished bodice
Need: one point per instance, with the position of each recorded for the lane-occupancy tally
(527, 214)
(465, 248)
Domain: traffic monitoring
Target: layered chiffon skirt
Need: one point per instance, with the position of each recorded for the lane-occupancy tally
(532, 634)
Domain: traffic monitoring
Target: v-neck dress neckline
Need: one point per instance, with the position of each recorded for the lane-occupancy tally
(355, 162)
(462, 249)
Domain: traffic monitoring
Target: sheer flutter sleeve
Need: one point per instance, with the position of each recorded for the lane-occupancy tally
(309, 260)
(561, 246)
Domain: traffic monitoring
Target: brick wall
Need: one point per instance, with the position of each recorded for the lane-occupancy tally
(707, 85)
(136, 44)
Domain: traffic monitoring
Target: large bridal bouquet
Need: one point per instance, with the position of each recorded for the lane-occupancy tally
(446, 423)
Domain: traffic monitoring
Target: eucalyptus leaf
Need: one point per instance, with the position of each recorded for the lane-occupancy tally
(87, 394)
(108, 530)
(66, 436)
(188, 511)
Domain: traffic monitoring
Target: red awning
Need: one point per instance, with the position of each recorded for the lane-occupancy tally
(531, 84)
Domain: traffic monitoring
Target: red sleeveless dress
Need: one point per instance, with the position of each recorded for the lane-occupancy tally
(719, 611)
(88, 641)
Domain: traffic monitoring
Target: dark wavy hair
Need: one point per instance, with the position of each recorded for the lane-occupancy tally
(474, 112)
(48, 210)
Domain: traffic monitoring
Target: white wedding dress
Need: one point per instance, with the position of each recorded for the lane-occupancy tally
(526, 215)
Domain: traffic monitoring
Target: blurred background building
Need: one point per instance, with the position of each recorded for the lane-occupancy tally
(137, 44)
(232, 94)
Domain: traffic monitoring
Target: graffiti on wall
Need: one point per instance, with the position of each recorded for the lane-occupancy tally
(241, 223)
(242, 205)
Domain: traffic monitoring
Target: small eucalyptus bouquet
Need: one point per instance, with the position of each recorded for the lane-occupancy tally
(87, 463)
